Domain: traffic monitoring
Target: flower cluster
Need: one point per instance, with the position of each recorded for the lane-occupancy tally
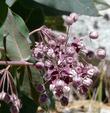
(8, 92)
(60, 60)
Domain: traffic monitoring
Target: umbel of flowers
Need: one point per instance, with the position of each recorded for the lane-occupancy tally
(8, 92)
(60, 61)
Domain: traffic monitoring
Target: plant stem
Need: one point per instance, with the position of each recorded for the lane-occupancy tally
(36, 30)
(15, 63)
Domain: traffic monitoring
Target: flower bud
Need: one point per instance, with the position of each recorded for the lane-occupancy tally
(51, 53)
(2, 95)
(43, 98)
(40, 88)
(74, 16)
(68, 20)
(83, 89)
(64, 101)
(45, 49)
(101, 53)
(48, 63)
(66, 89)
(52, 43)
(70, 50)
(87, 82)
(91, 72)
(93, 35)
(39, 65)
(90, 54)
(7, 98)
(61, 38)
(13, 109)
(77, 81)
(69, 60)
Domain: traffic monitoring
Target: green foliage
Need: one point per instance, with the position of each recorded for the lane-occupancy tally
(17, 45)
(10, 2)
(80, 6)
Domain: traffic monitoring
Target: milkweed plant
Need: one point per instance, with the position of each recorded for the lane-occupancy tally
(62, 62)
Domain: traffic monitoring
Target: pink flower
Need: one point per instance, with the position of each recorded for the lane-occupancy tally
(62, 64)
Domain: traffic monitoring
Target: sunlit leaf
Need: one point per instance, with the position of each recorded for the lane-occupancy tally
(10, 2)
(80, 6)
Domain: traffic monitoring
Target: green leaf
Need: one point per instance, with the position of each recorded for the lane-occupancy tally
(80, 6)
(17, 44)
(3, 12)
(21, 25)
(34, 93)
(10, 2)
(31, 76)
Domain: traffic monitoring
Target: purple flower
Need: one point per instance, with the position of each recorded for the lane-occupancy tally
(43, 98)
(93, 35)
(40, 88)
(101, 53)
(62, 64)
(64, 101)
(39, 65)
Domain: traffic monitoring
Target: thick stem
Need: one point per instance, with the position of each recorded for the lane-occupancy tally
(15, 63)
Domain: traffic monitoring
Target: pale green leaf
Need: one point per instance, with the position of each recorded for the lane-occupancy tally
(17, 34)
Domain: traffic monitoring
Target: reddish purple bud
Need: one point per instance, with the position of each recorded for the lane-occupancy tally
(43, 98)
(83, 89)
(58, 92)
(48, 63)
(70, 50)
(39, 65)
(45, 49)
(14, 109)
(67, 79)
(87, 82)
(51, 53)
(64, 101)
(93, 35)
(74, 16)
(68, 20)
(52, 43)
(40, 88)
(76, 46)
(2, 95)
(77, 82)
(39, 55)
(91, 71)
(90, 54)
(69, 60)
(7, 98)
(101, 53)
(61, 39)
